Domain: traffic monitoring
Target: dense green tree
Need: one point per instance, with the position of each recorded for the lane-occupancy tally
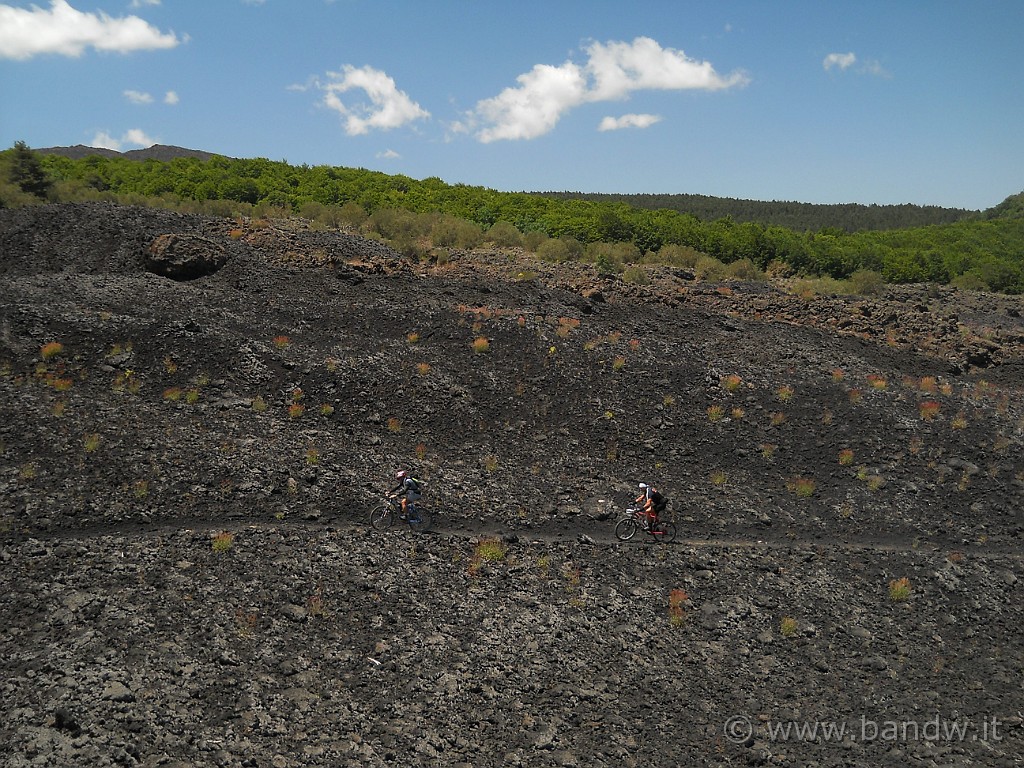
(26, 172)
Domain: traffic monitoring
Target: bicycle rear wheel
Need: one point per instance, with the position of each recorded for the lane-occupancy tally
(664, 532)
(625, 529)
(422, 522)
(382, 518)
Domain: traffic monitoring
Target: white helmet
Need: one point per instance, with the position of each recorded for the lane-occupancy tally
(643, 486)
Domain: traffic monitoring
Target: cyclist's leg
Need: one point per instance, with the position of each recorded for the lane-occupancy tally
(413, 512)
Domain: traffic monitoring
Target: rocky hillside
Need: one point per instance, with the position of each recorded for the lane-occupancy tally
(196, 416)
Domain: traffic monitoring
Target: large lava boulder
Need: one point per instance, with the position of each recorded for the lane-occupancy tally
(184, 257)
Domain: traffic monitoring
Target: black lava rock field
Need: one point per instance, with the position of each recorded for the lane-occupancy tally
(197, 415)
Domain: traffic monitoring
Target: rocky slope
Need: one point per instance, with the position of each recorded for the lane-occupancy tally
(197, 414)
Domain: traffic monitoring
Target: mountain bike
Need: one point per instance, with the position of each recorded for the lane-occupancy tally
(663, 531)
(386, 514)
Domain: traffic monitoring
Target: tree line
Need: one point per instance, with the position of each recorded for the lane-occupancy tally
(983, 250)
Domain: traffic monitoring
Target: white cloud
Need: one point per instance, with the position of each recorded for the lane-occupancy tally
(873, 67)
(135, 137)
(628, 121)
(533, 108)
(138, 97)
(388, 107)
(842, 60)
(612, 72)
(25, 33)
(104, 140)
(388, 154)
(143, 3)
(846, 60)
(171, 97)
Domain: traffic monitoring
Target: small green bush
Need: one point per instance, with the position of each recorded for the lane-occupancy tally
(866, 282)
(636, 275)
(744, 269)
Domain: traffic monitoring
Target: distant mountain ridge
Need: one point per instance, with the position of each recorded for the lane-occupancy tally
(161, 152)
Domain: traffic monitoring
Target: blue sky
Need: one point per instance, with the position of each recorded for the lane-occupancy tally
(874, 101)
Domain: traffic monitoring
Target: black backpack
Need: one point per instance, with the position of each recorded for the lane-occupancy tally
(659, 500)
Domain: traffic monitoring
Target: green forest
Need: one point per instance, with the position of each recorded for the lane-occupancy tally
(896, 244)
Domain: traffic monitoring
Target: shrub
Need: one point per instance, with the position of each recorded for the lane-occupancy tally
(838, 375)
(281, 342)
(490, 463)
(172, 394)
(744, 269)
(846, 457)
(449, 231)
(784, 393)
(481, 344)
(555, 250)
(855, 395)
(719, 477)
(802, 486)
(674, 255)
(731, 383)
(490, 550)
(505, 235)
(91, 442)
(636, 275)
(259, 404)
(776, 418)
(326, 409)
(223, 541)
(295, 410)
(767, 451)
(788, 626)
(394, 425)
(737, 413)
(866, 282)
(969, 281)
(709, 268)
(715, 413)
(618, 363)
(959, 421)
(899, 589)
(877, 382)
(676, 601)
(192, 396)
(51, 350)
(929, 409)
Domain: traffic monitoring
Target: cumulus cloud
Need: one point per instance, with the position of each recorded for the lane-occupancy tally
(28, 32)
(143, 3)
(388, 107)
(171, 98)
(628, 121)
(612, 72)
(138, 97)
(134, 137)
(388, 154)
(841, 60)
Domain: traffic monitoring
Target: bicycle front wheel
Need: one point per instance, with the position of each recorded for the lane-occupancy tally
(664, 532)
(382, 518)
(625, 529)
(422, 522)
